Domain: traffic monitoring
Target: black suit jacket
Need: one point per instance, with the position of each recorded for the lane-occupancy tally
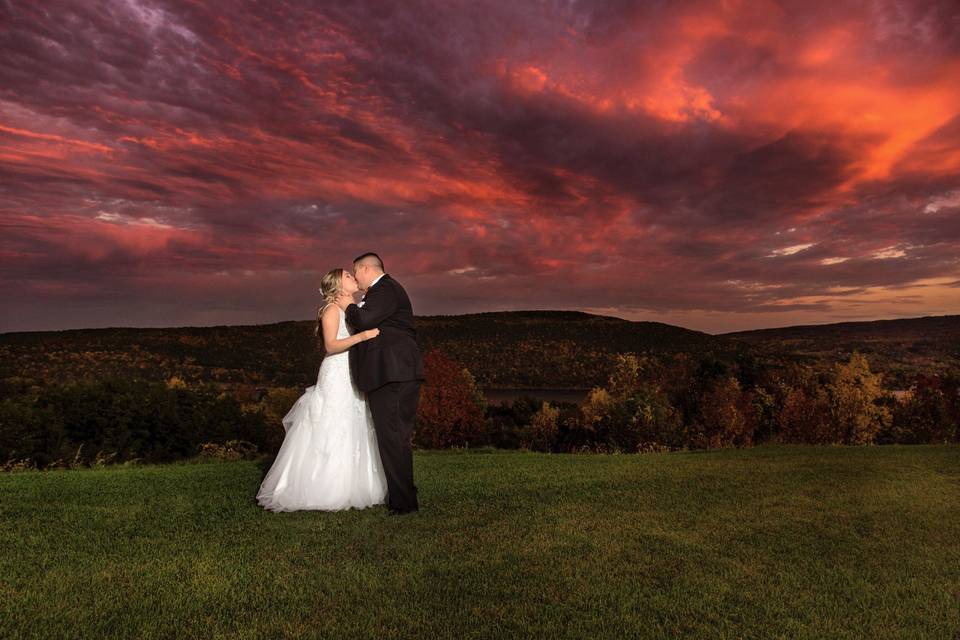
(393, 356)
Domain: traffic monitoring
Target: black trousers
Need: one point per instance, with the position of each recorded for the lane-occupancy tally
(394, 407)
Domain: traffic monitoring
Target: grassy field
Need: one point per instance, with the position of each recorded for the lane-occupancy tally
(769, 542)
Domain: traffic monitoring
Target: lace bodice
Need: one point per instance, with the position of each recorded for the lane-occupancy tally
(337, 360)
(343, 331)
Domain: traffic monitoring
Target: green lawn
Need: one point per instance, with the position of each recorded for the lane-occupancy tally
(769, 542)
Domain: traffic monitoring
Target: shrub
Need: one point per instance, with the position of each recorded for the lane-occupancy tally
(508, 426)
(97, 422)
(276, 403)
(229, 450)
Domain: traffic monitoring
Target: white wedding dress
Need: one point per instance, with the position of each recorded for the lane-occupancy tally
(329, 458)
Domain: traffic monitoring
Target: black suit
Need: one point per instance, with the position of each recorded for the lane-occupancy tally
(389, 370)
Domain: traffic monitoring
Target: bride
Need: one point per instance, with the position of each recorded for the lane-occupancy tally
(329, 458)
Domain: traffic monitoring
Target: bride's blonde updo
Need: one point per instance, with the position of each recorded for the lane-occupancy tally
(329, 287)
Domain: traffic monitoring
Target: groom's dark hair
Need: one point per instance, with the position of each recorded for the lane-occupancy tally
(370, 255)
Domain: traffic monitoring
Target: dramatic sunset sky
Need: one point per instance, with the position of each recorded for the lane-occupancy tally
(716, 165)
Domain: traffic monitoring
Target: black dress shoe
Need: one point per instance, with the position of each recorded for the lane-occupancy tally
(400, 512)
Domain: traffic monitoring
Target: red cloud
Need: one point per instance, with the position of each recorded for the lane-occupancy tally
(717, 165)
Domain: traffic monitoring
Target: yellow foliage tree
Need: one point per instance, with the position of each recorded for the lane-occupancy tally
(596, 407)
(543, 427)
(853, 391)
(625, 378)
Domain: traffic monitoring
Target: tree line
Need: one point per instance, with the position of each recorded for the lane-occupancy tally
(694, 403)
(646, 404)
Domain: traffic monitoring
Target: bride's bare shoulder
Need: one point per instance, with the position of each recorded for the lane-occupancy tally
(330, 310)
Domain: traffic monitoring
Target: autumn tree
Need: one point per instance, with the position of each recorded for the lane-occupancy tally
(451, 408)
(853, 409)
(929, 414)
(723, 418)
(803, 415)
(802, 406)
(544, 428)
(632, 413)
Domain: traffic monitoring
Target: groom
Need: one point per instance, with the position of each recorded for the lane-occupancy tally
(389, 370)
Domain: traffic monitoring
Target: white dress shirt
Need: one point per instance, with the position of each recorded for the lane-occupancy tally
(360, 304)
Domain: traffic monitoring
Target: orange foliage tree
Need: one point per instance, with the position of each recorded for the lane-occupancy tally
(451, 408)
(725, 417)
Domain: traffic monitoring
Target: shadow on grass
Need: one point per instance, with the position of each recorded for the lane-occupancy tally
(264, 463)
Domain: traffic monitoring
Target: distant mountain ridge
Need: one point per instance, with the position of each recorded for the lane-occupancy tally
(950, 323)
(901, 348)
(502, 349)
(510, 349)
(569, 349)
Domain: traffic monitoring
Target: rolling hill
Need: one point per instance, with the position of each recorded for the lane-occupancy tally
(503, 350)
(527, 349)
(900, 348)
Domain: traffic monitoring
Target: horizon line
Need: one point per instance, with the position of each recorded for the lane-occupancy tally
(456, 315)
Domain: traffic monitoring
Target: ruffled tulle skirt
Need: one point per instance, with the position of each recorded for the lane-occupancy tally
(329, 458)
